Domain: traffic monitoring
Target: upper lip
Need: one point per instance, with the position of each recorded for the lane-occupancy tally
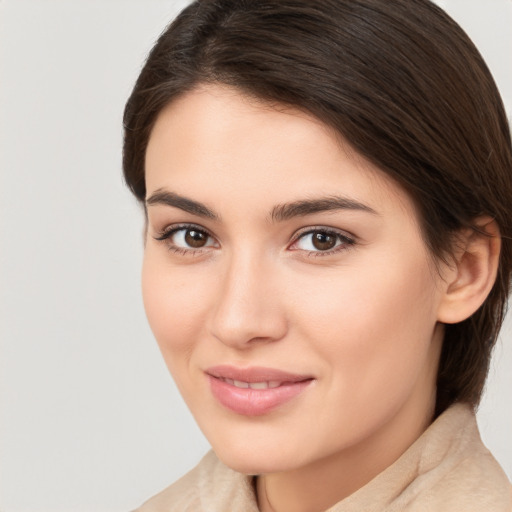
(255, 374)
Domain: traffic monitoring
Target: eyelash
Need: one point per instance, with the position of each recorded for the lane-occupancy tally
(346, 241)
(167, 233)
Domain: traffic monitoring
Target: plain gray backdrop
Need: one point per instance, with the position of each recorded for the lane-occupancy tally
(89, 418)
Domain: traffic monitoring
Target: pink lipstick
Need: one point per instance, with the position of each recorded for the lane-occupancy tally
(256, 390)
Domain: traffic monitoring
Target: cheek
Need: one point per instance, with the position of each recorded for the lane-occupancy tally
(374, 324)
(174, 304)
(371, 334)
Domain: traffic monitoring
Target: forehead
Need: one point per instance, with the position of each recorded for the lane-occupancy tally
(220, 144)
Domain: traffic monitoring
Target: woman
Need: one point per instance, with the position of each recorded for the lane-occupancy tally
(328, 191)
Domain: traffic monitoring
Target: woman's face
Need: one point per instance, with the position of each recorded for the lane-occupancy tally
(287, 284)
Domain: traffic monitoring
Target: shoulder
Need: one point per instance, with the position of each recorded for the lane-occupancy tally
(455, 469)
(210, 486)
(448, 469)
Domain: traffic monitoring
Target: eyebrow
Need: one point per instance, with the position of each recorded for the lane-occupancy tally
(183, 203)
(305, 207)
(279, 213)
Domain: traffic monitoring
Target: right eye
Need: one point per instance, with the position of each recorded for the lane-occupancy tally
(187, 238)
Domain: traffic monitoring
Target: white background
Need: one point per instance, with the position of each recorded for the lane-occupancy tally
(89, 418)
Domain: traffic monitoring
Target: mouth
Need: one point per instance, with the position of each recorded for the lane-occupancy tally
(255, 391)
(271, 384)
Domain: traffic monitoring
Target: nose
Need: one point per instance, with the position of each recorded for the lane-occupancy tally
(248, 307)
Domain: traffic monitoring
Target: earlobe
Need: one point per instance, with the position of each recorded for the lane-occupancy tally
(473, 273)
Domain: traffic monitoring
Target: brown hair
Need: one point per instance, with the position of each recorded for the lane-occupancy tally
(399, 80)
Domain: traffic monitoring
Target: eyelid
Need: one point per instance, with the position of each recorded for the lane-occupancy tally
(325, 229)
(168, 231)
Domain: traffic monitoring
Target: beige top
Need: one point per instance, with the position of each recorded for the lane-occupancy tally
(448, 469)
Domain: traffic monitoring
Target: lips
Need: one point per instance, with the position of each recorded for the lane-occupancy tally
(255, 391)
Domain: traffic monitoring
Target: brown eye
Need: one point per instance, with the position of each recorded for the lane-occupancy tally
(323, 241)
(187, 238)
(195, 239)
(318, 241)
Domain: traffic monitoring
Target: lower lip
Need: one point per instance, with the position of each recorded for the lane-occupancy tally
(255, 402)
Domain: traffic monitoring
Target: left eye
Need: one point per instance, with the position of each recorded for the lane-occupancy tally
(321, 241)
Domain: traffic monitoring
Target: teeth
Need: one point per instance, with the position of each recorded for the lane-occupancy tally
(253, 385)
(258, 385)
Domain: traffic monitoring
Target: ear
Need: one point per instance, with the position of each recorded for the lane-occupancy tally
(471, 277)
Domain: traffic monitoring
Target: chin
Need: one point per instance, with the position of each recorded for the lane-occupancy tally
(256, 458)
(250, 463)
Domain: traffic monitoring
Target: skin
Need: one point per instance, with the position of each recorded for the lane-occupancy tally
(361, 318)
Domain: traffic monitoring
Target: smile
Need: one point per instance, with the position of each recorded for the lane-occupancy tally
(255, 391)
